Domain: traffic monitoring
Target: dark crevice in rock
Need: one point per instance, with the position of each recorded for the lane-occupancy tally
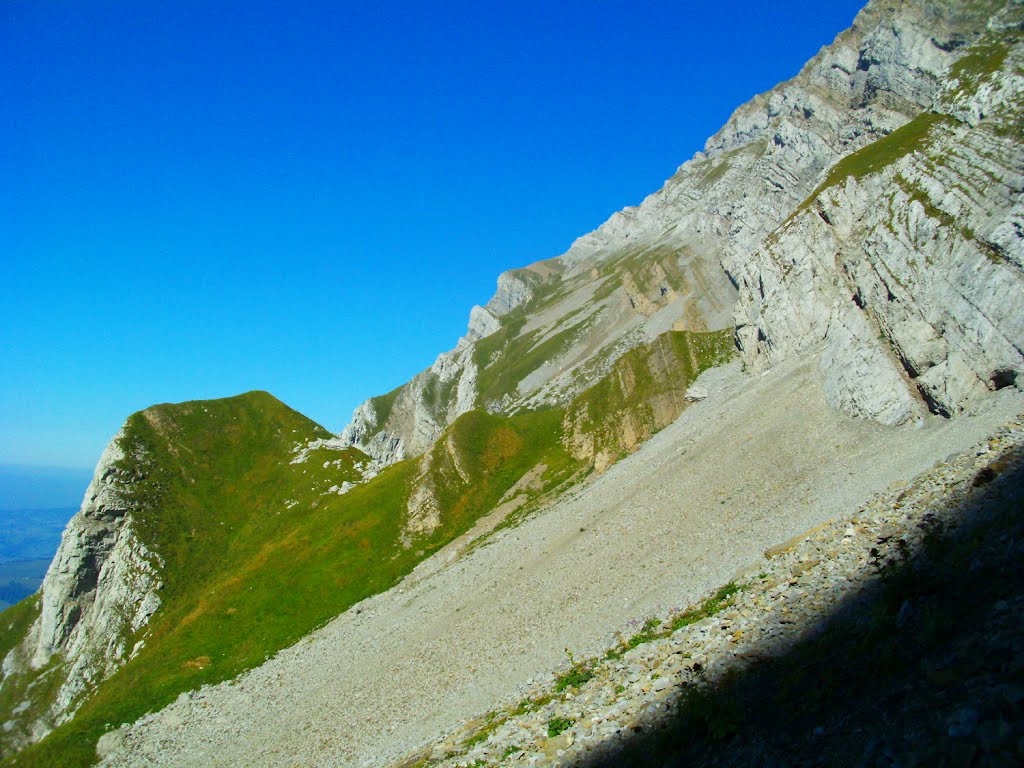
(949, 45)
(1004, 377)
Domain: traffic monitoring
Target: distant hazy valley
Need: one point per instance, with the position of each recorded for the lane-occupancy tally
(28, 540)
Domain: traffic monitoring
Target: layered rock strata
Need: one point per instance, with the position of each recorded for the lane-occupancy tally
(100, 590)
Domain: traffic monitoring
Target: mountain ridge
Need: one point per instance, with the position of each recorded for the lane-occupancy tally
(715, 212)
(860, 223)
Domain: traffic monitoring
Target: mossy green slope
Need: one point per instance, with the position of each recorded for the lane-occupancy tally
(481, 456)
(257, 550)
(644, 392)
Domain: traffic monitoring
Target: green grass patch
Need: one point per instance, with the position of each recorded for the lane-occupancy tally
(978, 63)
(384, 404)
(438, 395)
(714, 174)
(482, 455)
(912, 137)
(507, 357)
(557, 725)
(714, 604)
(647, 634)
(15, 621)
(577, 675)
(645, 389)
(257, 553)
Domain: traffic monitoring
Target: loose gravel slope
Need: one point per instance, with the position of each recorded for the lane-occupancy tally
(760, 460)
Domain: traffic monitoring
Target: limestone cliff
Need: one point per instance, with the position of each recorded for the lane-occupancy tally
(906, 262)
(100, 590)
(719, 229)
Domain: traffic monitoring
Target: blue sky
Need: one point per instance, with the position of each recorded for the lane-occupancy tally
(203, 198)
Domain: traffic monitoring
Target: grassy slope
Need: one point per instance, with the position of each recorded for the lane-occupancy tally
(644, 391)
(245, 575)
(246, 572)
(495, 452)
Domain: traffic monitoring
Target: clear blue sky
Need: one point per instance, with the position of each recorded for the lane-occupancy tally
(202, 198)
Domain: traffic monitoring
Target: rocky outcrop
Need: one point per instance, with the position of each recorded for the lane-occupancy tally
(100, 590)
(907, 260)
(740, 204)
(513, 291)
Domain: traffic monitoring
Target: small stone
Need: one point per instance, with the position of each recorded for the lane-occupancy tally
(995, 735)
(963, 723)
(558, 743)
(110, 742)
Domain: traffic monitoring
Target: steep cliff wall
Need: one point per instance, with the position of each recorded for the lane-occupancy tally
(906, 262)
(100, 590)
(562, 323)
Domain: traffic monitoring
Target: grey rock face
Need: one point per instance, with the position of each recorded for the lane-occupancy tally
(737, 205)
(418, 415)
(100, 590)
(481, 324)
(512, 292)
(911, 273)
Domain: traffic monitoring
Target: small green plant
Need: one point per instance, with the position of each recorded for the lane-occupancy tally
(558, 724)
(510, 750)
(579, 673)
(716, 603)
(530, 705)
(619, 688)
(647, 634)
(492, 720)
(477, 738)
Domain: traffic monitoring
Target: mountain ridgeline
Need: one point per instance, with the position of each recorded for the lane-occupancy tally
(868, 212)
(216, 533)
